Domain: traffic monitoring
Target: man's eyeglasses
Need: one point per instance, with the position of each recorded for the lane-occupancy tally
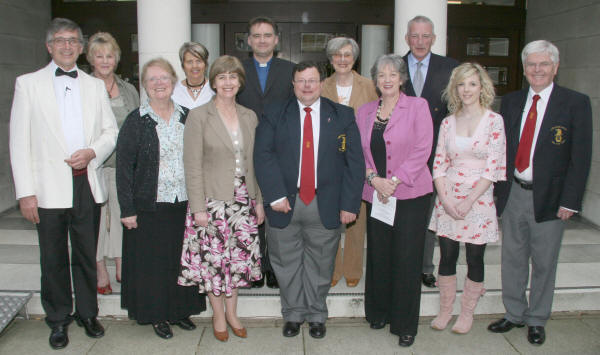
(61, 41)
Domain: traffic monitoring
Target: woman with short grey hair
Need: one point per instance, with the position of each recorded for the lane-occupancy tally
(192, 91)
(348, 88)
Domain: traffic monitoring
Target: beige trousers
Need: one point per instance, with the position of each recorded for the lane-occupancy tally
(349, 264)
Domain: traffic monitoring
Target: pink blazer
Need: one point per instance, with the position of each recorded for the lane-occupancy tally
(408, 138)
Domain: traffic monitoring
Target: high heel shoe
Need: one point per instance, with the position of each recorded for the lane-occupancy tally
(239, 332)
(104, 290)
(118, 279)
(220, 336)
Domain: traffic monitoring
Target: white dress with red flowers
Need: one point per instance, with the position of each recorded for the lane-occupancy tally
(485, 156)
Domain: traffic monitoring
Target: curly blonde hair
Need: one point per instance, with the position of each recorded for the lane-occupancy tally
(459, 74)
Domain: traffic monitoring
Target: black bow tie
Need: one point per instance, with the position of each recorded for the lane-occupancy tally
(72, 74)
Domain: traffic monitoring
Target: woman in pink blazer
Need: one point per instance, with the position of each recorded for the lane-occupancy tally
(396, 135)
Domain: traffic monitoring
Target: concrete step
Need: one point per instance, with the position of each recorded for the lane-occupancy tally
(577, 286)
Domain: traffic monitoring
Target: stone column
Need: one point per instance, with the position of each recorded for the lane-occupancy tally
(163, 26)
(436, 10)
(209, 35)
(374, 42)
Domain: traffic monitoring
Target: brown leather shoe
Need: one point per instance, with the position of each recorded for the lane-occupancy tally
(221, 336)
(352, 282)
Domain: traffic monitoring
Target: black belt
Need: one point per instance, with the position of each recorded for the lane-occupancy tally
(523, 184)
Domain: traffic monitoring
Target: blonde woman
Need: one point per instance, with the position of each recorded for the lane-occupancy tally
(469, 158)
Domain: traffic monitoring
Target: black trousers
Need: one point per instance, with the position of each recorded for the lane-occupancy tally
(265, 262)
(81, 223)
(394, 262)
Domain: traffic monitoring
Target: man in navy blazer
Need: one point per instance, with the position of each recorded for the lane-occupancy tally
(268, 79)
(433, 74)
(549, 149)
(311, 177)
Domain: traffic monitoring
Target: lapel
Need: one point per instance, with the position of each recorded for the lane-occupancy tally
(292, 117)
(245, 130)
(516, 114)
(252, 77)
(47, 99)
(271, 76)
(357, 89)
(554, 104)
(217, 125)
(431, 73)
(326, 120)
(329, 87)
(88, 97)
(408, 86)
(401, 106)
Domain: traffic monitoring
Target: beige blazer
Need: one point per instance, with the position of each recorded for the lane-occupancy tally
(209, 158)
(363, 90)
(37, 143)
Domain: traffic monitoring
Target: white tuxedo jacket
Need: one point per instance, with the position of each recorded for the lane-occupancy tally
(37, 143)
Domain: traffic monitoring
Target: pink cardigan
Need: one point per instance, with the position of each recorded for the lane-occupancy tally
(408, 137)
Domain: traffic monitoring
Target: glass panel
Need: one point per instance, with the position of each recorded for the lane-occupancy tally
(499, 75)
(316, 42)
(498, 47)
(475, 46)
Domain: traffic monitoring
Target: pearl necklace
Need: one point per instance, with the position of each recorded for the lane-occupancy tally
(381, 120)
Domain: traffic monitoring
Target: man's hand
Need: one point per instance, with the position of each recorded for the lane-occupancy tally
(129, 222)
(347, 217)
(564, 213)
(29, 208)
(282, 206)
(81, 158)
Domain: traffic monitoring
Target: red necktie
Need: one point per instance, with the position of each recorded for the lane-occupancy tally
(307, 170)
(524, 151)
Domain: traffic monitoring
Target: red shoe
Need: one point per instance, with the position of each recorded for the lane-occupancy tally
(104, 290)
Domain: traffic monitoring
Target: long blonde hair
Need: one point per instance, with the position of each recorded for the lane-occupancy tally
(459, 74)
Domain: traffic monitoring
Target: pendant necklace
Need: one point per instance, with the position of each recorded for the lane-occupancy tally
(195, 89)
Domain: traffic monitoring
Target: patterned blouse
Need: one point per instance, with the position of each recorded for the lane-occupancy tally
(171, 178)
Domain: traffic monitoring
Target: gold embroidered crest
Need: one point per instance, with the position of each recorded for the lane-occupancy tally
(342, 139)
(559, 135)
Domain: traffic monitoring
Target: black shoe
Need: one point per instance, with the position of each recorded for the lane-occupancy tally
(502, 326)
(428, 280)
(259, 283)
(317, 330)
(291, 329)
(59, 338)
(185, 324)
(163, 330)
(377, 325)
(93, 328)
(406, 340)
(536, 335)
(271, 280)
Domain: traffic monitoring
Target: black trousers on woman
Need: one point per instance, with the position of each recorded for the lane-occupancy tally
(394, 263)
(151, 264)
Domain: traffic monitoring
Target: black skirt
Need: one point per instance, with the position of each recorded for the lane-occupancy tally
(151, 265)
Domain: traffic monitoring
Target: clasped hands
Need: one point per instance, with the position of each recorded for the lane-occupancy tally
(456, 210)
(385, 187)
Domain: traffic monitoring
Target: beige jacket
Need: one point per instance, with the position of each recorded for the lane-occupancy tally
(363, 90)
(209, 158)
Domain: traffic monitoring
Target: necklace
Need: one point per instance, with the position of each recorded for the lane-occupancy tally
(111, 87)
(382, 120)
(195, 89)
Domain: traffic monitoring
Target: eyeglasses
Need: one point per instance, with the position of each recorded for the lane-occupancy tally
(542, 65)
(162, 79)
(309, 82)
(344, 55)
(61, 41)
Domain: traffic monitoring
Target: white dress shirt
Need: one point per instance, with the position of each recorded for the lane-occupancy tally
(527, 174)
(182, 97)
(68, 98)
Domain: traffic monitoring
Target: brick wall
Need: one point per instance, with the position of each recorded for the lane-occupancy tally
(22, 30)
(574, 28)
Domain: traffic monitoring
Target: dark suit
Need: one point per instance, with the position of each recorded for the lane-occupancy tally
(277, 88)
(438, 75)
(303, 242)
(561, 164)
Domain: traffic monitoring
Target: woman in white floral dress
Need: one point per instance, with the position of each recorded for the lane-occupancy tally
(470, 157)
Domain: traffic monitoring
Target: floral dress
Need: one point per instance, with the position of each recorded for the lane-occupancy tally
(484, 156)
(225, 255)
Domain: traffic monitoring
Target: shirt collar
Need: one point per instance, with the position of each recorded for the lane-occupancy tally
(316, 106)
(413, 61)
(544, 94)
(258, 65)
(146, 109)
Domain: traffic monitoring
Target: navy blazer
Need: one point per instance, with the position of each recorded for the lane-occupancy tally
(340, 162)
(277, 88)
(438, 75)
(563, 151)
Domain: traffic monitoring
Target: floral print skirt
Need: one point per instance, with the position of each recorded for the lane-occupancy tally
(225, 255)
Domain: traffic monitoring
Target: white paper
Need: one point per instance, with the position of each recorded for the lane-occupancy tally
(384, 212)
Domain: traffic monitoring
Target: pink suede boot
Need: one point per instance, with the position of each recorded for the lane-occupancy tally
(447, 286)
(471, 293)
